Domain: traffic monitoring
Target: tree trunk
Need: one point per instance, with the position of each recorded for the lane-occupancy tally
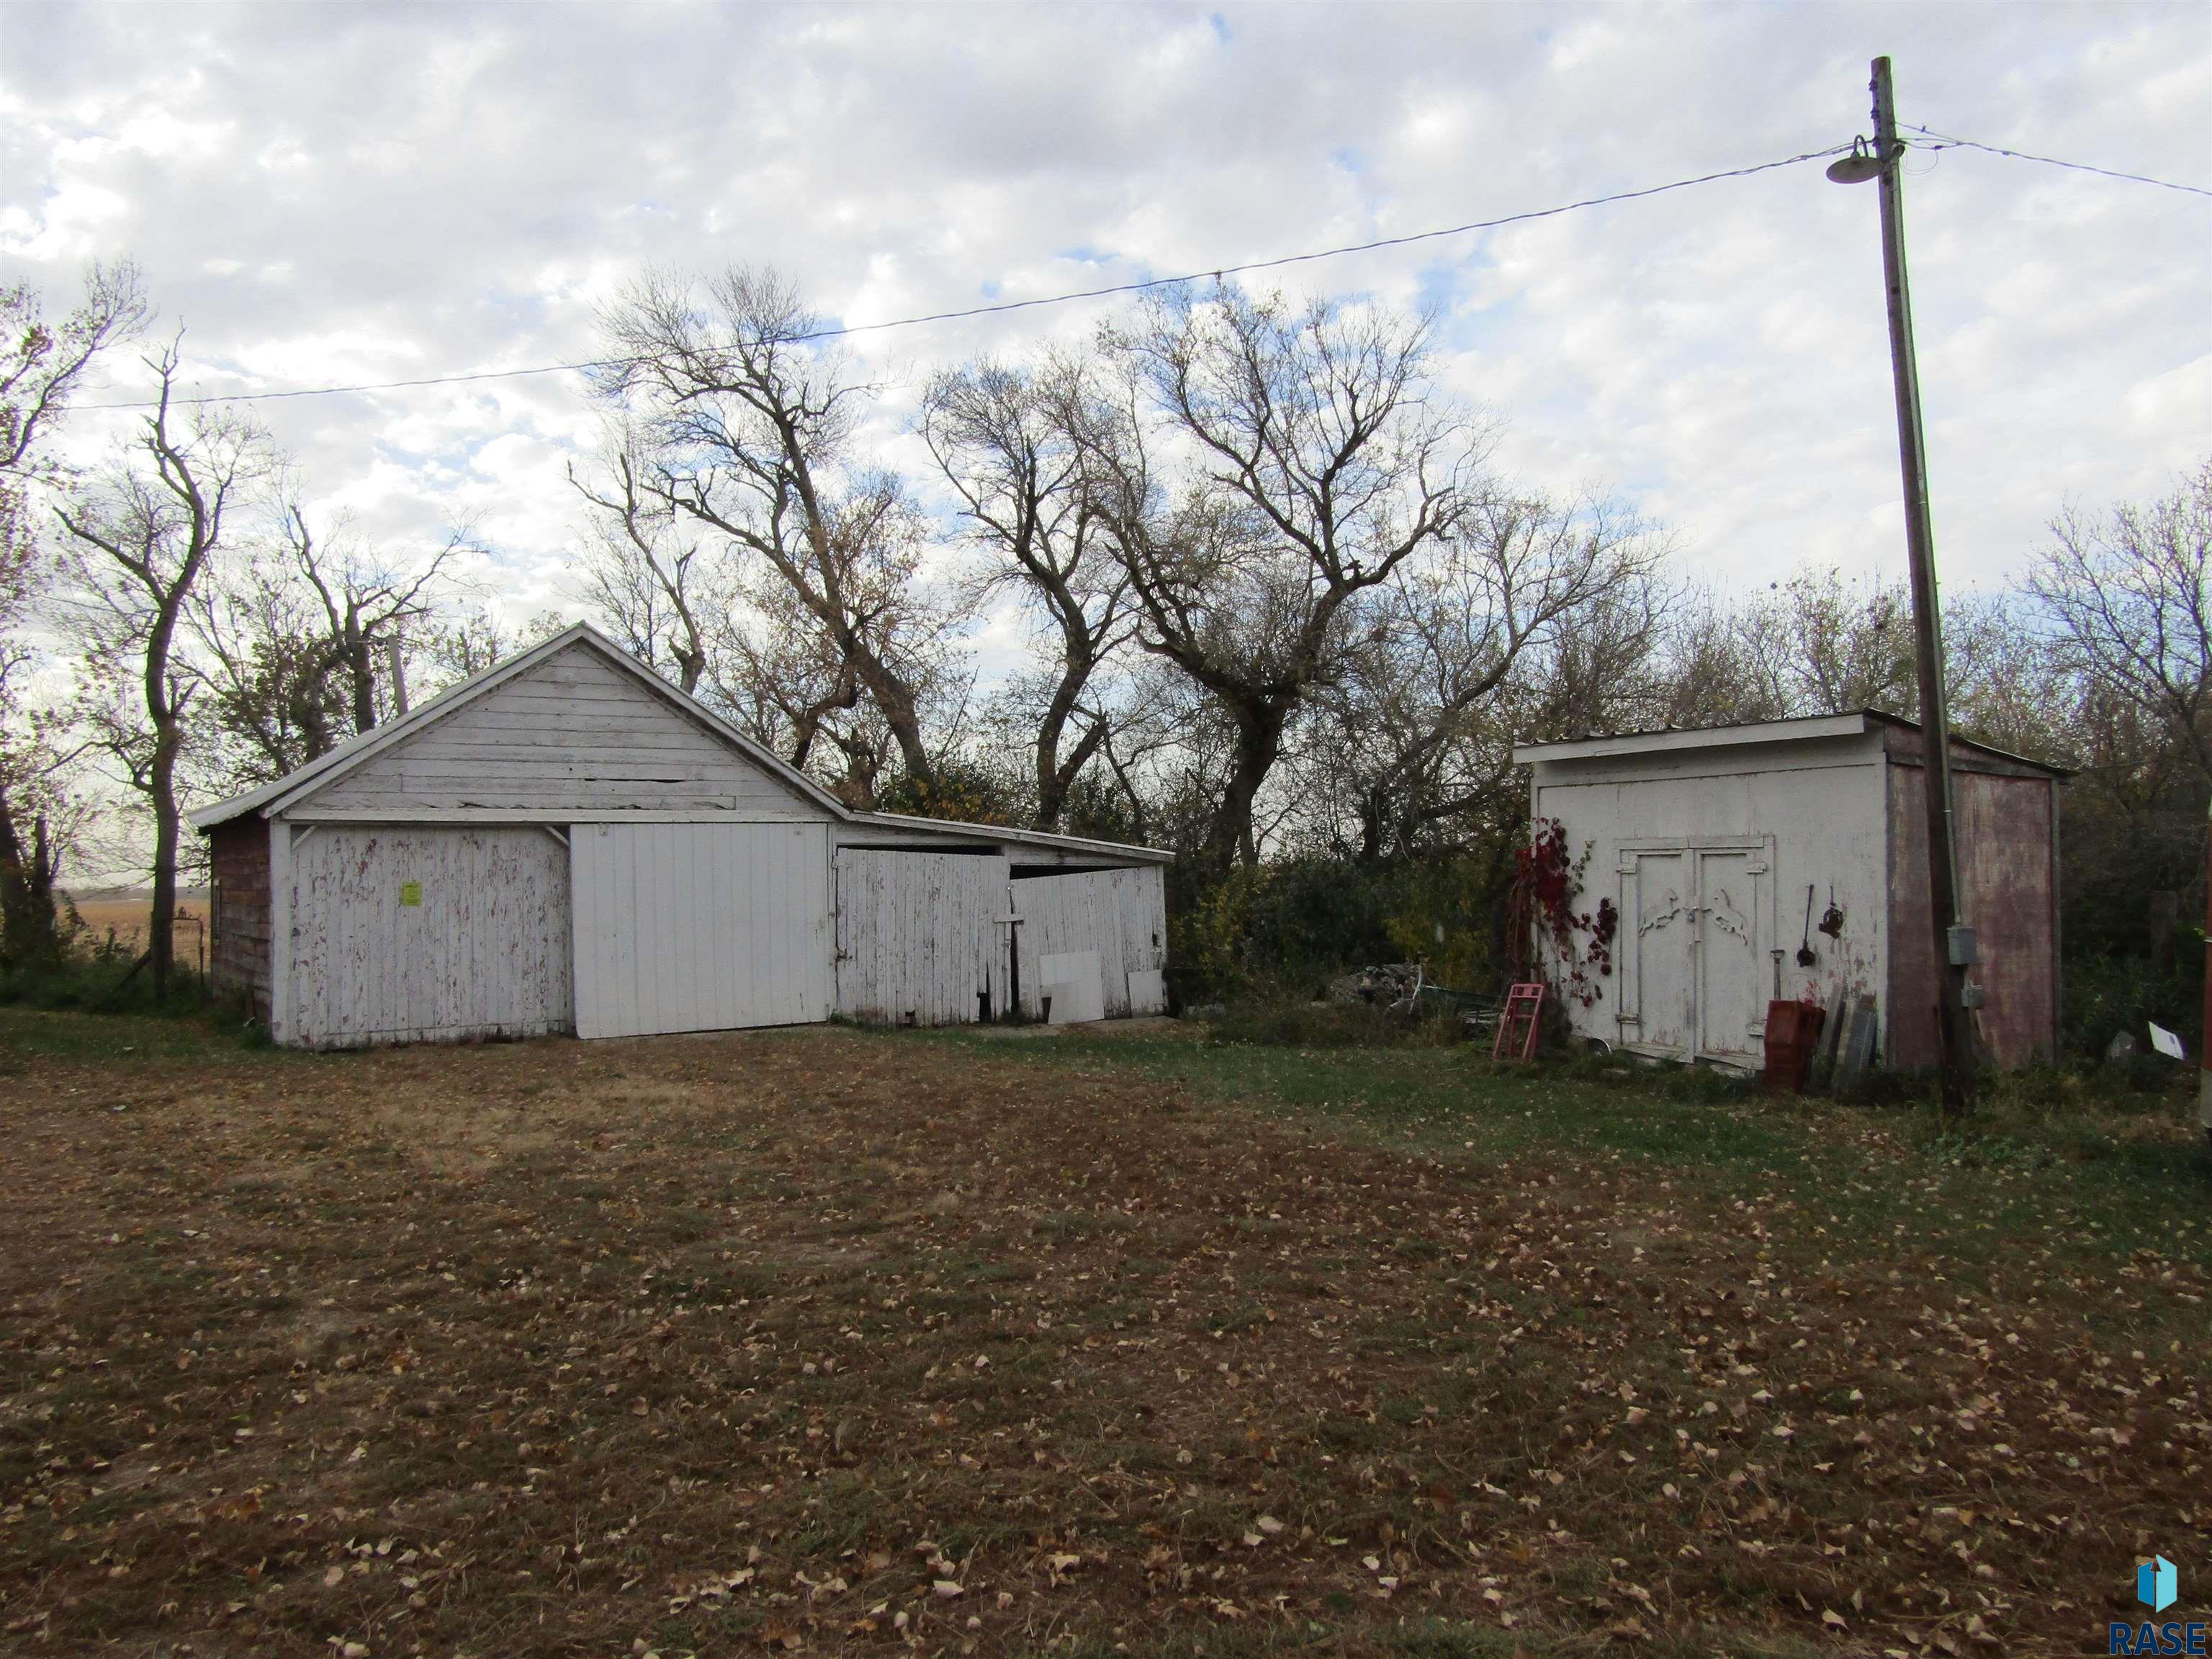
(360, 654)
(895, 700)
(1258, 742)
(1054, 782)
(28, 934)
(160, 947)
(1373, 813)
(1055, 777)
(1051, 790)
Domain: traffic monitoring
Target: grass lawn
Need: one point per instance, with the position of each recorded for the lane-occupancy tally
(826, 1340)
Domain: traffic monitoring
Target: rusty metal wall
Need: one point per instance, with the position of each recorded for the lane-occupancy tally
(2007, 881)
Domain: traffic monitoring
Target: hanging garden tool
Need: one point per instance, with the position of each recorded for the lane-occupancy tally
(1806, 956)
(1831, 920)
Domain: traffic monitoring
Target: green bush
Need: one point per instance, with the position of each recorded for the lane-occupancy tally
(100, 981)
(1284, 930)
(2105, 996)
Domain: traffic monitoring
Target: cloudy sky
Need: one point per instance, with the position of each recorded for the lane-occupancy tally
(343, 193)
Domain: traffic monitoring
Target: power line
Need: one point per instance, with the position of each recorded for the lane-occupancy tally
(1945, 141)
(1001, 307)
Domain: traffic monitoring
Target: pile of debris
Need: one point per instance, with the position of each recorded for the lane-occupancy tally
(1403, 988)
(1387, 984)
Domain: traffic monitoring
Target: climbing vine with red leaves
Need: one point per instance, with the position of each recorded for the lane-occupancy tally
(1546, 880)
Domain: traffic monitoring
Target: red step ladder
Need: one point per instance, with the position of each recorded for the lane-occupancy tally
(1517, 1025)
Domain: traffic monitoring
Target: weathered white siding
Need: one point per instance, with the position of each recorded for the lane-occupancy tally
(920, 935)
(699, 926)
(482, 951)
(1120, 914)
(572, 733)
(1708, 853)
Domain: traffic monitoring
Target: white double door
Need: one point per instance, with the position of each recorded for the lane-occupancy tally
(1691, 953)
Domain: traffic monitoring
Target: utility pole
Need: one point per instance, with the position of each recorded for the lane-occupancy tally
(1954, 944)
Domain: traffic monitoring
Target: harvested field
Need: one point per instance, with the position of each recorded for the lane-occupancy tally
(828, 1341)
(124, 917)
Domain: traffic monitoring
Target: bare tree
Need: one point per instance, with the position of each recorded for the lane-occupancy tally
(1704, 674)
(277, 697)
(308, 637)
(1007, 441)
(748, 426)
(1816, 643)
(1410, 732)
(1261, 468)
(141, 537)
(642, 576)
(2127, 597)
(368, 603)
(40, 369)
(461, 642)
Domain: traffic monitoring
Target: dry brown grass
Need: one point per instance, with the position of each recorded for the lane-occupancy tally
(827, 1341)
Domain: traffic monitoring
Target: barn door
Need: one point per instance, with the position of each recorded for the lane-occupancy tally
(921, 936)
(1731, 883)
(699, 926)
(1102, 928)
(410, 934)
(1690, 962)
(1656, 958)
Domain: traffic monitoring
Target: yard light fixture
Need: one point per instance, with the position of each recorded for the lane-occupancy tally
(1954, 949)
(1861, 166)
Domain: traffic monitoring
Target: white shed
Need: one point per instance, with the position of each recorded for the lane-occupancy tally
(566, 843)
(1721, 852)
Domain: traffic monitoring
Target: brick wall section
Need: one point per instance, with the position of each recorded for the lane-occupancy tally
(238, 961)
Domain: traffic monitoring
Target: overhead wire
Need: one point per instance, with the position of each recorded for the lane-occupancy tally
(1000, 308)
(1947, 141)
(1938, 141)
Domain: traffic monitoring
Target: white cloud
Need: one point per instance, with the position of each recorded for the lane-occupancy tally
(332, 194)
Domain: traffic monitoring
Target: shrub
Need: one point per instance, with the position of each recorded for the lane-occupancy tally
(2105, 996)
(99, 981)
(1286, 929)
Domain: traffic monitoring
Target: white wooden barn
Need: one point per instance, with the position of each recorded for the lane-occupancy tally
(566, 843)
(1722, 850)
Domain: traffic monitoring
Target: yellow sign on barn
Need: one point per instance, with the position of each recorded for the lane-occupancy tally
(410, 894)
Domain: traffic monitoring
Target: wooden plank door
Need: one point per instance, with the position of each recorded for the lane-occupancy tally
(1657, 952)
(920, 935)
(1732, 967)
(411, 933)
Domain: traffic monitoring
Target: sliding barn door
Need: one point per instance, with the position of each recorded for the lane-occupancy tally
(699, 926)
(411, 933)
(921, 936)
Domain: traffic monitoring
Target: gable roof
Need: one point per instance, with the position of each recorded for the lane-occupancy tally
(320, 773)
